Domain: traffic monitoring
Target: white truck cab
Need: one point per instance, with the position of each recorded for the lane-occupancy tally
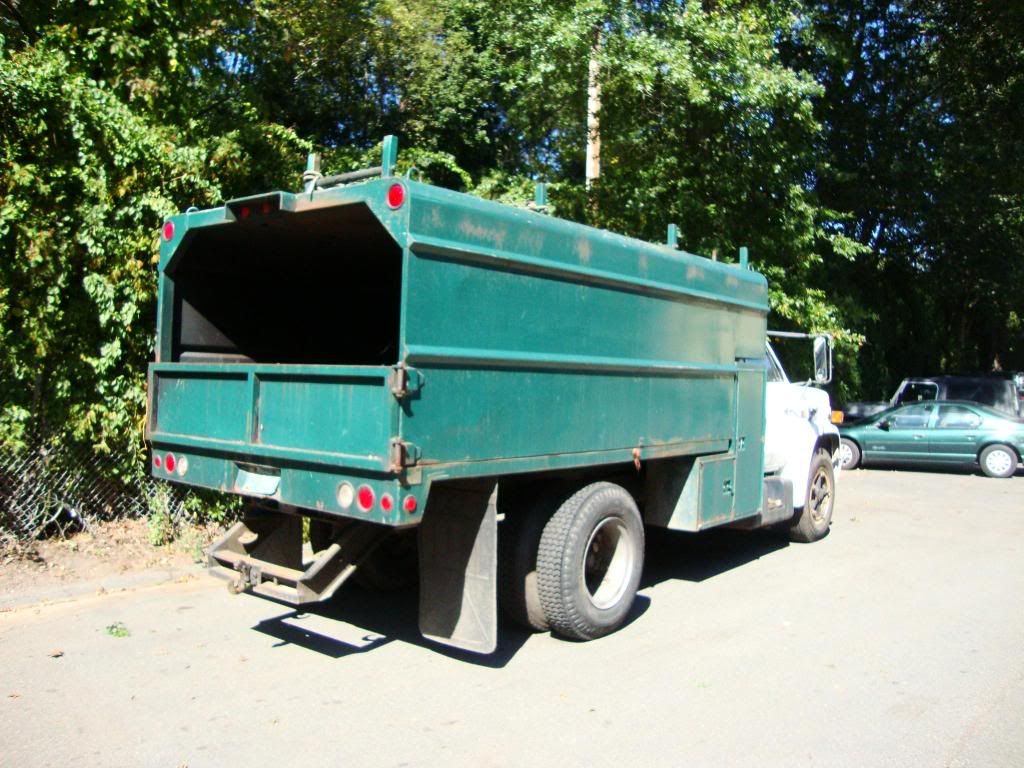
(801, 442)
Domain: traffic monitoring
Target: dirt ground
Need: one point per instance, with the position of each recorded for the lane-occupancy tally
(107, 551)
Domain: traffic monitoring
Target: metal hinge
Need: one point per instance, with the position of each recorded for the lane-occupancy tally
(402, 454)
(404, 381)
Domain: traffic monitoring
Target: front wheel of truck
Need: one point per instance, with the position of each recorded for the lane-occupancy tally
(589, 562)
(812, 522)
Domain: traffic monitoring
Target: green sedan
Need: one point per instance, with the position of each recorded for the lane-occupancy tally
(943, 432)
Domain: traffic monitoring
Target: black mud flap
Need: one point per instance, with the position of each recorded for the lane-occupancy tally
(459, 566)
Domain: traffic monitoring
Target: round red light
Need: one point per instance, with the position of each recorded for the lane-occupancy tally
(157, 461)
(243, 212)
(396, 195)
(409, 504)
(386, 502)
(365, 498)
(169, 462)
(265, 208)
(168, 230)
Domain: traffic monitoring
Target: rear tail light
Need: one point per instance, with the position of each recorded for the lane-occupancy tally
(365, 498)
(169, 462)
(386, 502)
(409, 504)
(157, 461)
(346, 495)
(168, 230)
(396, 195)
(182, 465)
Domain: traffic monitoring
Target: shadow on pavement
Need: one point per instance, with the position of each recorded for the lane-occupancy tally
(359, 620)
(700, 556)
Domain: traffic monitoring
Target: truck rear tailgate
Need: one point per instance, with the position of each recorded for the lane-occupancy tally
(331, 414)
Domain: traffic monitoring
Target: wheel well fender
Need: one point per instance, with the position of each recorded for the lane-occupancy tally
(829, 442)
(990, 443)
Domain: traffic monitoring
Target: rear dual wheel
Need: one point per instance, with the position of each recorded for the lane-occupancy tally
(588, 561)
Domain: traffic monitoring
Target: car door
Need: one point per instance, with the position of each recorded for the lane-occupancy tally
(954, 438)
(901, 435)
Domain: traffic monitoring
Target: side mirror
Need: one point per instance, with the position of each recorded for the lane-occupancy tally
(822, 359)
(883, 424)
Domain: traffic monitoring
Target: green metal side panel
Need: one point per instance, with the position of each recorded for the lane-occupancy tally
(539, 338)
(470, 414)
(750, 416)
(330, 413)
(212, 404)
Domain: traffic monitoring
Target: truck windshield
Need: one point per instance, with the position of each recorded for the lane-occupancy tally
(775, 371)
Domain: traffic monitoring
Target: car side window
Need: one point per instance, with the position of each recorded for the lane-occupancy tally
(911, 417)
(957, 417)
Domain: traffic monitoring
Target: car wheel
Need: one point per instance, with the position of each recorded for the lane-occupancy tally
(849, 454)
(998, 461)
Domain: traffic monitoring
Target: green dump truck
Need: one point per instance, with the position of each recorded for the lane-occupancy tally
(492, 397)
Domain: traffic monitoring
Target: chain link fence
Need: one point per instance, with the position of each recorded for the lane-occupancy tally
(54, 489)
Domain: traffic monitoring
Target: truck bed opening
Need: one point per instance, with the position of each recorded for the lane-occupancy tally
(318, 288)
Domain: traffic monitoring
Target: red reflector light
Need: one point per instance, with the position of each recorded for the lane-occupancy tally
(157, 461)
(386, 502)
(365, 498)
(396, 195)
(409, 504)
(168, 230)
(243, 212)
(169, 462)
(266, 208)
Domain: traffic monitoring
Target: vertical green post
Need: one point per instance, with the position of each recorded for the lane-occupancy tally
(673, 236)
(389, 155)
(312, 172)
(540, 195)
(744, 256)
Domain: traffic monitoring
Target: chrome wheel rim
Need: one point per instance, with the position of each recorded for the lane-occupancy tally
(845, 455)
(819, 496)
(608, 562)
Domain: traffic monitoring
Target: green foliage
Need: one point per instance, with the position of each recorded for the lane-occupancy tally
(161, 522)
(108, 123)
(118, 629)
(923, 138)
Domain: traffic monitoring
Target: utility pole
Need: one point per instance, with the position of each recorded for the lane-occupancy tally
(593, 165)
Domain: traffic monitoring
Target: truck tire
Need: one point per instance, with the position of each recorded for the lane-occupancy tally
(849, 454)
(998, 461)
(518, 541)
(812, 522)
(589, 562)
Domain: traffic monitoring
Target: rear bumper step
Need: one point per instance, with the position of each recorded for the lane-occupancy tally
(264, 554)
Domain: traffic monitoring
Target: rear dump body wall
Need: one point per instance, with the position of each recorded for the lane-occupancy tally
(531, 344)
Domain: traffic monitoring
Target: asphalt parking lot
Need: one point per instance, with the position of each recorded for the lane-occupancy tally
(896, 641)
